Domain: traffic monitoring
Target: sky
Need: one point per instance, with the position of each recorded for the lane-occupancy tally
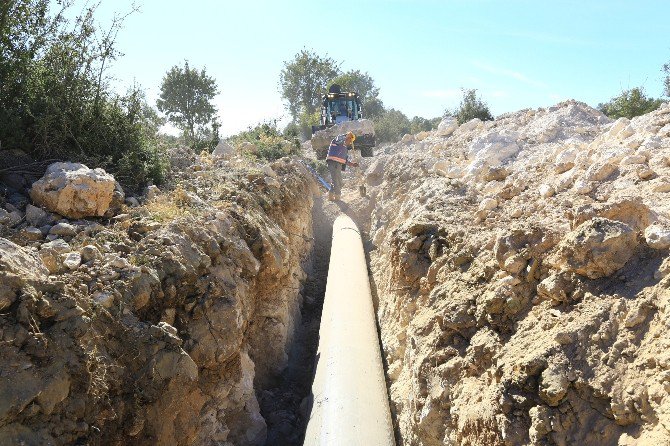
(421, 53)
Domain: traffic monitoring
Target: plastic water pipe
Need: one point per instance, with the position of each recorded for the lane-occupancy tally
(350, 402)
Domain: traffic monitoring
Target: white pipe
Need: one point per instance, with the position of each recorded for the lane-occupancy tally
(350, 404)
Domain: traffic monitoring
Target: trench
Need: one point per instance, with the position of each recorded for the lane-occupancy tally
(285, 406)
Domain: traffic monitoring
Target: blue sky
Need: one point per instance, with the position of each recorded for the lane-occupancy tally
(516, 53)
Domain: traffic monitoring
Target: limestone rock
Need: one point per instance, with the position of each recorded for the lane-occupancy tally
(72, 260)
(447, 126)
(74, 191)
(597, 248)
(657, 237)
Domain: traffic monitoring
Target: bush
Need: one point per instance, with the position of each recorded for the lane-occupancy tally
(419, 124)
(471, 107)
(55, 101)
(270, 143)
(391, 126)
(629, 103)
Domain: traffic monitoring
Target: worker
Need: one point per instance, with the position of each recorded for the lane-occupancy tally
(337, 160)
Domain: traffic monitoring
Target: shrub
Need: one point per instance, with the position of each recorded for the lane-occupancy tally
(55, 101)
(419, 124)
(629, 103)
(471, 107)
(391, 126)
(270, 143)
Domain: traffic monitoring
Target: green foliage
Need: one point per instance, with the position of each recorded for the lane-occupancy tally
(55, 101)
(471, 107)
(391, 126)
(270, 144)
(629, 103)
(303, 80)
(186, 98)
(373, 108)
(306, 121)
(666, 81)
(419, 124)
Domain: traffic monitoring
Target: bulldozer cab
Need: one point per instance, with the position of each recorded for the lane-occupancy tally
(339, 107)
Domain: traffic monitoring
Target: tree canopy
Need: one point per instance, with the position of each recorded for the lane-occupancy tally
(630, 103)
(55, 99)
(303, 80)
(186, 99)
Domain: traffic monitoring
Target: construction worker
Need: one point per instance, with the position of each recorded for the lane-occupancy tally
(337, 160)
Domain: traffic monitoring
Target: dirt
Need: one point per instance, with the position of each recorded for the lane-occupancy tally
(519, 270)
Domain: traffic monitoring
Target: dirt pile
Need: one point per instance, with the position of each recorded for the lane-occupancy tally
(521, 269)
(160, 325)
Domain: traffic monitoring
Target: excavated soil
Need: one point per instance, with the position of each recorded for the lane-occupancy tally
(519, 269)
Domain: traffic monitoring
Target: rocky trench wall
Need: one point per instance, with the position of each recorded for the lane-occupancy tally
(521, 269)
(168, 328)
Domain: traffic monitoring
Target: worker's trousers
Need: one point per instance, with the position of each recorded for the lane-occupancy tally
(335, 170)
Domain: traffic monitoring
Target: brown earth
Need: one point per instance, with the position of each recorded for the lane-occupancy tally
(519, 268)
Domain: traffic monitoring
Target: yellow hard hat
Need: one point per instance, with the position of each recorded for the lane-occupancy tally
(352, 136)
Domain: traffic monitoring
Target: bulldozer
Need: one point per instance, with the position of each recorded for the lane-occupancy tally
(342, 112)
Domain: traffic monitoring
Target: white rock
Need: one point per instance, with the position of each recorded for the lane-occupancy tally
(72, 260)
(492, 150)
(583, 187)
(618, 126)
(104, 298)
(657, 237)
(488, 204)
(447, 169)
(447, 126)
(547, 191)
(470, 125)
(114, 261)
(74, 191)
(599, 171)
(58, 245)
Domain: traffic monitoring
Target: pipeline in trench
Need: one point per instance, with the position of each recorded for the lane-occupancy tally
(293, 401)
(285, 407)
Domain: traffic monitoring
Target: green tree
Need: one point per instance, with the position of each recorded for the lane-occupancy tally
(470, 107)
(629, 103)
(666, 81)
(391, 126)
(419, 124)
(303, 80)
(55, 100)
(186, 98)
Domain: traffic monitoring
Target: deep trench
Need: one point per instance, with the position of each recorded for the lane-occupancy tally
(285, 406)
